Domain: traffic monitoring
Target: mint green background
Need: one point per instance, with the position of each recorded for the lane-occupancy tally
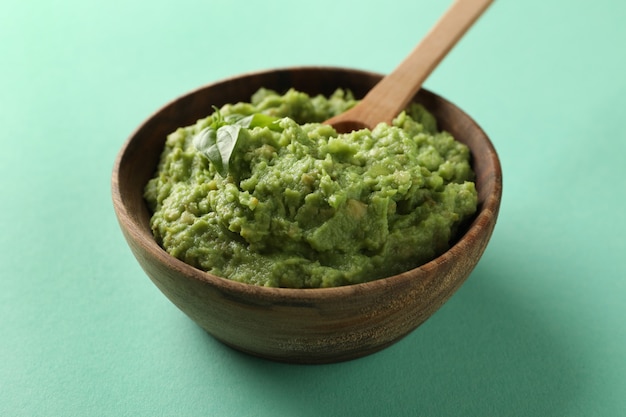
(537, 330)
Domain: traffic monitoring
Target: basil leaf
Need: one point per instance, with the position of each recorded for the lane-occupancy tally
(233, 119)
(205, 142)
(218, 141)
(227, 137)
(259, 120)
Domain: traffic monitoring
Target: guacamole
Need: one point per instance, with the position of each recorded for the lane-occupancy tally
(264, 194)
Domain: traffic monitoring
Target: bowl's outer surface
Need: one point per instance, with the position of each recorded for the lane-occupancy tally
(295, 325)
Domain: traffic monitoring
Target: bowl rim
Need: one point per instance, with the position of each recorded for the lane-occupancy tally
(487, 213)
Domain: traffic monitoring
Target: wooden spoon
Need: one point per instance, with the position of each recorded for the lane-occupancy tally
(394, 92)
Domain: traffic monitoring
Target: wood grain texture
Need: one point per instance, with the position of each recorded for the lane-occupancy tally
(300, 325)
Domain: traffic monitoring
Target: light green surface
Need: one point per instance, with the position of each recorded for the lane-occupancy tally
(537, 330)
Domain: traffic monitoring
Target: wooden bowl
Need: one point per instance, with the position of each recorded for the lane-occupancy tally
(301, 325)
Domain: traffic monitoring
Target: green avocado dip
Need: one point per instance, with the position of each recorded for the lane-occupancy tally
(263, 193)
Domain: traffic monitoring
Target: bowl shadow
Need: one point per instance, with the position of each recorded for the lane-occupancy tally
(480, 354)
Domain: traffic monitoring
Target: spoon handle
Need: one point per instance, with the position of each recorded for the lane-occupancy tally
(395, 91)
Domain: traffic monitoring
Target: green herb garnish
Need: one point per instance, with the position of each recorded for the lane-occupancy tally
(218, 141)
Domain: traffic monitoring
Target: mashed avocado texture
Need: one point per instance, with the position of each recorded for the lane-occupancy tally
(263, 193)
